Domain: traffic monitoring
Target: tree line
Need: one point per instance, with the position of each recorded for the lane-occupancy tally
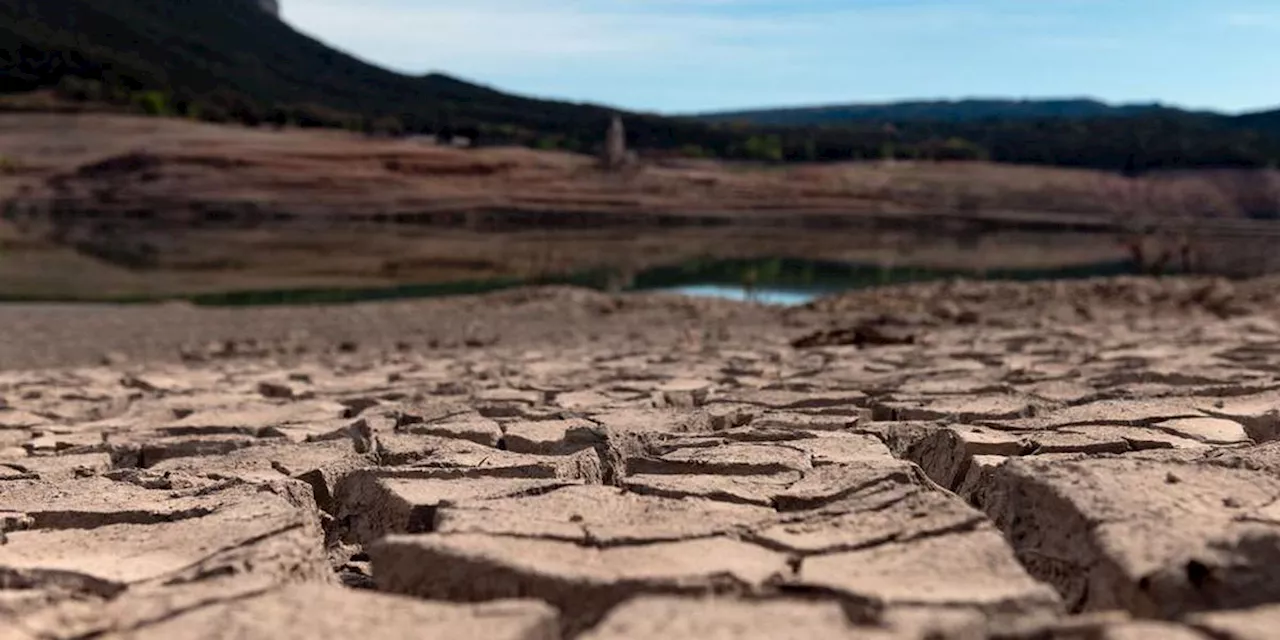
(1127, 144)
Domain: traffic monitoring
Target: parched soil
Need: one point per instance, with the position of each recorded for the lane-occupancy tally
(1094, 459)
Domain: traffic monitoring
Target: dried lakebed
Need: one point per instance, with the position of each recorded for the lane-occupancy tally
(1050, 477)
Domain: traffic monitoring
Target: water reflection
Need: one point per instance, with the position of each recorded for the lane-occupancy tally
(762, 295)
(792, 281)
(774, 281)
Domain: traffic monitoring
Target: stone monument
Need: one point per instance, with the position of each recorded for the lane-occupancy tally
(615, 146)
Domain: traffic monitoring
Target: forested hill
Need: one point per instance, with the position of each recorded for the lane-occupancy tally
(939, 111)
(234, 60)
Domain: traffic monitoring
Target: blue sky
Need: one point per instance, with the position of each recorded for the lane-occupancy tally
(698, 55)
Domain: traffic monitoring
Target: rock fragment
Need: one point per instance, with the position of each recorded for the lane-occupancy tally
(974, 569)
(426, 456)
(724, 619)
(600, 516)
(101, 547)
(548, 437)
(1255, 623)
(371, 505)
(729, 459)
(1156, 539)
(889, 515)
(319, 611)
(583, 583)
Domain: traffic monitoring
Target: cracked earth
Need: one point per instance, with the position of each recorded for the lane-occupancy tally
(1010, 462)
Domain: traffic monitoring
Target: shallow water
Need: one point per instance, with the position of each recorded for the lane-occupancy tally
(793, 282)
(776, 281)
(762, 295)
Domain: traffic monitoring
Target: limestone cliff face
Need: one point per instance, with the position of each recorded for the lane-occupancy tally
(270, 6)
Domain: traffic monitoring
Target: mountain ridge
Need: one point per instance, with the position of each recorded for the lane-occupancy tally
(953, 110)
(233, 61)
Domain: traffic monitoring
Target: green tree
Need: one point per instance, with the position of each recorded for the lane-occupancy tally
(960, 149)
(185, 105)
(152, 103)
(810, 149)
(278, 116)
(764, 147)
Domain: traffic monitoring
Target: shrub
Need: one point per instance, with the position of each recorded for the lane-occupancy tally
(764, 148)
(152, 103)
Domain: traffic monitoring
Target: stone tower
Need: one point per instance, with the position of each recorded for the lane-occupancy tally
(615, 145)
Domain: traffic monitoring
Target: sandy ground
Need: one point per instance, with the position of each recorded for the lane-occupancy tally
(954, 460)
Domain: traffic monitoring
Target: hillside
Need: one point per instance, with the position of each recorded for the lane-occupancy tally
(981, 110)
(1266, 121)
(934, 110)
(182, 170)
(235, 61)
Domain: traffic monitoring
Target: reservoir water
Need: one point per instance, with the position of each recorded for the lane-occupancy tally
(774, 281)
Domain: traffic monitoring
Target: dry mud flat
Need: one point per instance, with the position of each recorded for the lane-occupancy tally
(1049, 477)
